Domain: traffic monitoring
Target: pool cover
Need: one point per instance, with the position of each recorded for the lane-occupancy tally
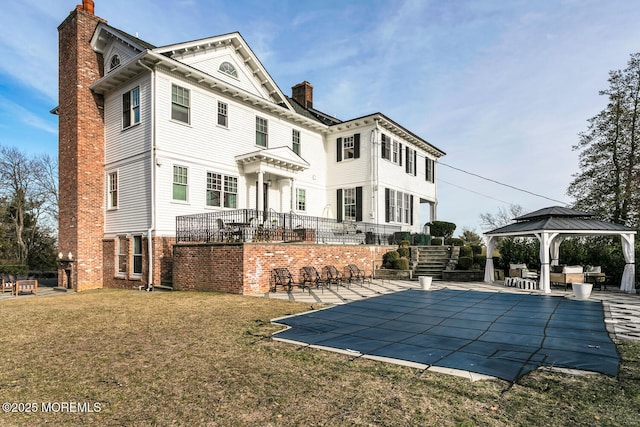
(503, 335)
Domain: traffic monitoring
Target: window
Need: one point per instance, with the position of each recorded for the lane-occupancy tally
(386, 147)
(228, 68)
(391, 203)
(223, 114)
(114, 63)
(180, 174)
(295, 141)
(397, 153)
(261, 131)
(230, 191)
(398, 206)
(112, 201)
(180, 104)
(214, 189)
(137, 254)
(407, 208)
(430, 167)
(131, 108)
(348, 147)
(301, 202)
(122, 255)
(410, 167)
(349, 204)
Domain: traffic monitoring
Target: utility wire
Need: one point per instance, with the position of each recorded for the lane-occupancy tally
(475, 192)
(505, 185)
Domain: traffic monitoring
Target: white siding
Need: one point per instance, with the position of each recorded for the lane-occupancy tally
(134, 197)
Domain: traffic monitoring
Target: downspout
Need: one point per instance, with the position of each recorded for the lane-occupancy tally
(376, 178)
(152, 156)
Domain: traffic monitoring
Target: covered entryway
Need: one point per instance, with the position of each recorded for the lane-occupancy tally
(551, 226)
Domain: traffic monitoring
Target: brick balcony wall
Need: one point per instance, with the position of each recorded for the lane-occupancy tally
(246, 268)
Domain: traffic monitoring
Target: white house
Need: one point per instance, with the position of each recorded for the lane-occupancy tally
(201, 126)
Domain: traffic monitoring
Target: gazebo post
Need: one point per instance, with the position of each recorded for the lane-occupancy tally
(628, 282)
(545, 245)
(488, 269)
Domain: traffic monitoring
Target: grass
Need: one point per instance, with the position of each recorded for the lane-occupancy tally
(206, 359)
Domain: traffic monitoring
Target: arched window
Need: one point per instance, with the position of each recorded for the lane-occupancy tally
(115, 61)
(227, 68)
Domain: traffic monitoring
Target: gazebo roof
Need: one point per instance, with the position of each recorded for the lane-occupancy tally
(558, 219)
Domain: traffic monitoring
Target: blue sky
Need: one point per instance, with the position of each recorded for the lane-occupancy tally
(503, 87)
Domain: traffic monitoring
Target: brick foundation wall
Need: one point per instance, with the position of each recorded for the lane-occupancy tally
(246, 268)
(80, 149)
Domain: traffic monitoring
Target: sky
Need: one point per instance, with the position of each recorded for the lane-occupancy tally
(503, 87)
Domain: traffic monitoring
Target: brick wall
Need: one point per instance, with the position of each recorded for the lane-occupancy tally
(80, 149)
(246, 268)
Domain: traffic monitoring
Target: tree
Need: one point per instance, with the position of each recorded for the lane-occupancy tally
(470, 237)
(608, 183)
(501, 218)
(442, 229)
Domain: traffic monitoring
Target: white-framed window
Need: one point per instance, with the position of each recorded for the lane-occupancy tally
(228, 68)
(407, 208)
(385, 144)
(348, 147)
(295, 141)
(301, 199)
(131, 107)
(430, 167)
(115, 62)
(214, 189)
(396, 155)
(112, 196)
(349, 204)
(392, 205)
(123, 253)
(411, 164)
(137, 255)
(399, 200)
(398, 206)
(230, 192)
(262, 131)
(180, 183)
(180, 104)
(223, 114)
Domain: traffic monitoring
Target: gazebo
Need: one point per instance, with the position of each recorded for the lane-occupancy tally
(551, 226)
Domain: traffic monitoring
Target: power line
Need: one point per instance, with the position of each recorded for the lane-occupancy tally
(501, 183)
(472, 191)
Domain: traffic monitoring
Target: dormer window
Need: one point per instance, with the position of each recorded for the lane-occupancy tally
(115, 62)
(228, 68)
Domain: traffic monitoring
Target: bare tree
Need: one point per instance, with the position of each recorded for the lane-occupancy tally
(46, 179)
(503, 217)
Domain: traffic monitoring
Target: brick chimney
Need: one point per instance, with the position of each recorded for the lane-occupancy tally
(80, 150)
(303, 94)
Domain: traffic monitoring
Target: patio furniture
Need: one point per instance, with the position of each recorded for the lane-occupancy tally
(596, 277)
(353, 272)
(7, 284)
(311, 277)
(332, 275)
(566, 275)
(25, 285)
(281, 277)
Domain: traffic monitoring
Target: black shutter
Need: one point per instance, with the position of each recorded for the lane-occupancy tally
(356, 146)
(426, 169)
(400, 154)
(358, 203)
(339, 204)
(415, 163)
(339, 149)
(406, 166)
(411, 209)
(386, 205)
(384, 147)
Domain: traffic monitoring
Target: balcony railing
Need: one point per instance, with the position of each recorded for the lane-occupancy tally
(250, 225)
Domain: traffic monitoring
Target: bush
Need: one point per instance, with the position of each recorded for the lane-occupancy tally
(464, 263)
(436, 241)
(466, 251)
(454, 241)
(401, 264)
(18, 270)
(420, 239)
(480, 261)
(389, 258)
(476, 249)
(442, 228)
(403, 252)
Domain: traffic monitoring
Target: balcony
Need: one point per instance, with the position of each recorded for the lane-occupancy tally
(251, 225)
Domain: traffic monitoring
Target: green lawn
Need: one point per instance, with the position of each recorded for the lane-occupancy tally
(205, 359)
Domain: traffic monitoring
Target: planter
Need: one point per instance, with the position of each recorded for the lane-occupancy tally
(582, 290)
(425, 282)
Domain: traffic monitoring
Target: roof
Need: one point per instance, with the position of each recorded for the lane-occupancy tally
(559, 219)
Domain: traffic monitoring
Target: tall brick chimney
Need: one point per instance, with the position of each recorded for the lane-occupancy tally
(303, 94)
(80, 150)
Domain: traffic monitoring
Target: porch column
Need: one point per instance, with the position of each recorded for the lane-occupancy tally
(260, 191)
(292, 195)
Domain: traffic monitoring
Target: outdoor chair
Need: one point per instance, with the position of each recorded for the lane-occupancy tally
(281, 277)
(332, 275)
(353, 273)
(7, 284)
(224, 232)
(29, 284)
(310, 277)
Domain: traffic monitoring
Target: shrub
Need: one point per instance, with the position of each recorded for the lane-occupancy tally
(18, 270)
(389, 258)
(442, 228)
(436, 241)
(420, 239)
(464, 263)
(476, 249)
(401, 264)
(466, 251)
(403, 252)
(480, 261)
(454, 241)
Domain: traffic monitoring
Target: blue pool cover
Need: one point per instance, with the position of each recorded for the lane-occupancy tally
(503, 335)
